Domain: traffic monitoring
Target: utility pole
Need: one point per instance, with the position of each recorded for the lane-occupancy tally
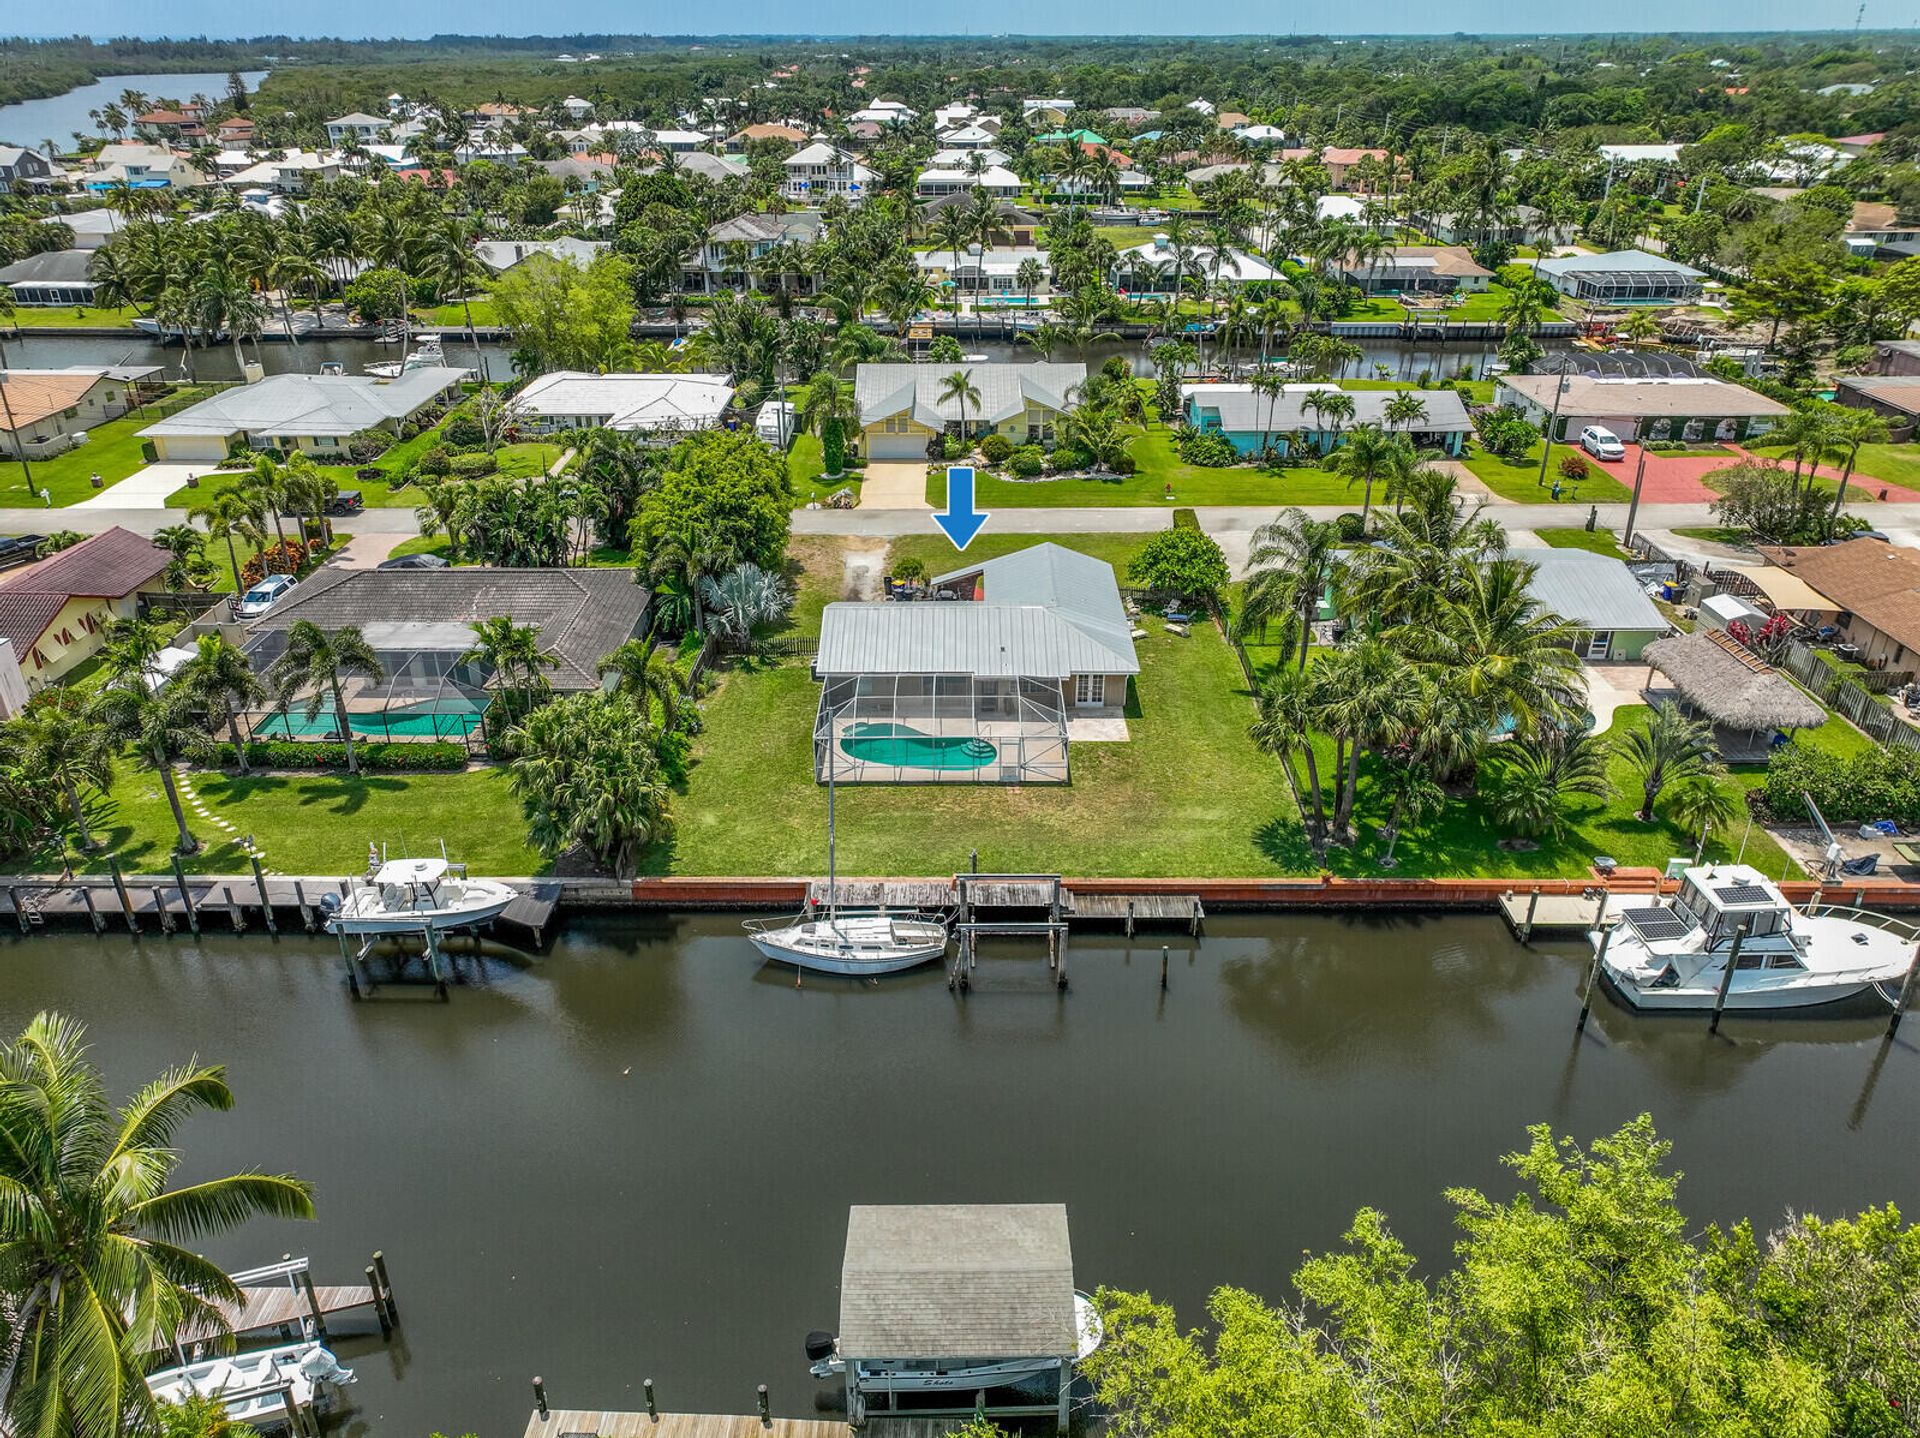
(1553, 420)
(19, 444)
(1639, 473)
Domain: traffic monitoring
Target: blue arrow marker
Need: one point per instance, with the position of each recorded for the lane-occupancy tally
(961, 520)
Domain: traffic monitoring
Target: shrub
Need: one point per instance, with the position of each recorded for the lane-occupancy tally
(1117, 368)
(833, 447)
(1027, 461)
(463, 431)
(996, 448)
(1066, 457)
(1573, 466)
(274, 559)
(368, 444)
(472, 466)
(1505, 432)
(1179, 561)
(1350, 527)
(1206, 448)
(435, 461)
(1872, 784)
(381, 756)
(954, 448)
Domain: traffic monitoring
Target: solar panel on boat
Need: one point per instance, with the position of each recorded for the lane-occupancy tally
(1656, 925)
(1743, 894)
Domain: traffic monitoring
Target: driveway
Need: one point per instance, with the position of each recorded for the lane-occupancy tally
(145, 488)
(895, 484)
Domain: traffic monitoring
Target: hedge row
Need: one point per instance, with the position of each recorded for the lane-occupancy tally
(379, 755)
(1872, 784)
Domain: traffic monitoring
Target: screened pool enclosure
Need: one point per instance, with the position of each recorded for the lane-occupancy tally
(427, 694)
(940, 729)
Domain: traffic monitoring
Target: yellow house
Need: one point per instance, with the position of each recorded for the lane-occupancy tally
(55, 613)
(904, 407)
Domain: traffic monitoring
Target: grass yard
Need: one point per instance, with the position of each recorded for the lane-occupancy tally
(112, 450)
(58, 317)
(452, 318)
(1717, 534)
(805, 467)
(1599, 541)
(309, 823)
(1519, 480)
(936, 551)
(1482, 389)
(395, 489)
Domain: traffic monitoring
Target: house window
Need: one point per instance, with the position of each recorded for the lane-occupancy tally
(1089, 689)
(897, 424)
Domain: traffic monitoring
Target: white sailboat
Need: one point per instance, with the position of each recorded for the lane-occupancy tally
(409, 896)
(846, 941)
(1672, 954)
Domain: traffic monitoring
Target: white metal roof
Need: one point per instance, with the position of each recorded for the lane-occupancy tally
(629, 401)
(1005, 390)
(310, 404)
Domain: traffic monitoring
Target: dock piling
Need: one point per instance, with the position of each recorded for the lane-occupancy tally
(266, 904)
(19, 909)
(1726, 976)
(379, 1307)
(120, 887)
(540, 1397)
(1165, 959)
(653, 1408)
(1533, 902)
(186, 895)
(94, 916)
(433, 965)
(234, 911)
(346, 957)
(305, 1277)
(385, 1290)
(1593, 977)
(1906, 993)
(766, 1411)
(160, 908)
(294, 1425)
(306, 909)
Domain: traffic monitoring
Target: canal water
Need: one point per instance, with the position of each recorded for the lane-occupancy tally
(633, 1157)
(33, 122)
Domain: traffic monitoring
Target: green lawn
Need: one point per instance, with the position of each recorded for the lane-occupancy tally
(1718, 534)
(112, 450)
(311, 823)
(805, 466)
(53, 317)
(452, 318)
(1889, 463)
(1482, 389)
(394, 489)
(1599, 541)
(1519, 480)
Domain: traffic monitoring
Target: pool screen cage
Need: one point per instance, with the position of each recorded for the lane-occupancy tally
(1634, 287)
(426, 696)
(940, 729)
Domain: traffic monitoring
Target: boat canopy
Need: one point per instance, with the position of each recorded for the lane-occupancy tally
(411, 871)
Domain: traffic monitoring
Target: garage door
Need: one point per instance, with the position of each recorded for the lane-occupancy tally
(896, 446)
(191, 448)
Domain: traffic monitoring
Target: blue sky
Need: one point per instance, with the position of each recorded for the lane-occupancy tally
(379, 18)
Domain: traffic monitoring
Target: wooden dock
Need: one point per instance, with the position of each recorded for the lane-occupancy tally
(596, 1423)
(1132, 909)
(1529, 912)
(885, 893)
(263, 1308)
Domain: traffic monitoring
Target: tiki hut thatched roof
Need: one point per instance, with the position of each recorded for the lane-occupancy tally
(1730, 684)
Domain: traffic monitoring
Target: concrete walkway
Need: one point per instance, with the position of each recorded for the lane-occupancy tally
(145, 489)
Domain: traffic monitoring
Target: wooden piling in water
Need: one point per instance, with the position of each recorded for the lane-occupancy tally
(306, 909)
(766, 1406)
(120, 887)
(379, 1308)
(19, 909)
(1166, 958)
(540, 1396)
(94, 916)
(1726, 977)
(1593, 977)
(260, 885)
(653, 1408)
(1906, 993)
(313, 1305)
(186, 895)
(386, 1284)
(234, 911)
(1526, 928)
(160, 908)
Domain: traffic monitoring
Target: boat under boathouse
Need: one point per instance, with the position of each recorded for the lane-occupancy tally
(950, 1309)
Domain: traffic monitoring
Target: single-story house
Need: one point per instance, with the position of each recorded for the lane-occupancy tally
(754, 134)
(1896, 396)
(51, 278)
(980, 685)
(1415, 269)
(41, 410)
(54, 613)
(293, 172)
(717, 264)
(315, 414)
(420, 622)
(664, 404)
(1720, 679)
(91, 228)
(902, 412)
(993, 179)
(1690, 408)
(500, 256)
(1521, 225)
(1641, 154)
(1874, 586)
(1248, 418)
(981, 271)
(1149, 268)
(1617, 620)
(1013, 225)
(956, 158)
(1900, 357)
(968, 137)
(1622, 277)
(707, 166)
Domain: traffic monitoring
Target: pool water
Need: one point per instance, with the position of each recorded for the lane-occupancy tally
(423, 722)
(909, 748)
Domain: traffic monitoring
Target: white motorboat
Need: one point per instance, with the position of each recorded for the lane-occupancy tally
(930, 1376)
(845, 941)
(1673, 953)
(255, 1387)
(426, 354)
(408, 896)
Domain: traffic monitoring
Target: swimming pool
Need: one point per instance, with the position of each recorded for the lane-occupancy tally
(909, 748)
(454, 720)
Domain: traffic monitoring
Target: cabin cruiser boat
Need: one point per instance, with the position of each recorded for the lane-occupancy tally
(426, 354)
(1673, 953)
(407, 896)
(929, 1376)
(255, 1387)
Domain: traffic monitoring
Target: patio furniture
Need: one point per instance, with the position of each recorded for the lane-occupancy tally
(1179, 629)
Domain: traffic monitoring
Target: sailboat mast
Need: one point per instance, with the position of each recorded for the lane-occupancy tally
(832, 887)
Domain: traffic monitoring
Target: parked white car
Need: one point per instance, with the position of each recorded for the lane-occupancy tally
(1602, 443)
(264, 595)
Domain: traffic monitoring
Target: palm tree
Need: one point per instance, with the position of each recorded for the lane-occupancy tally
(1292, 562)
(1365, 702)
(161, 730)
(1856, 427)
(955, 232)
(828, 408)
(99, 1266)
(1029, 276)
(1811, 435)
(219, 677)
(1698, 804)
(1671, 749)
(61, 746)
(1335, 402)
(319, 662)
(1498, 652)
(187, 564)
(744, 598)
(225, 513)
(1533, 776)
(1369, 454)
(447, 251)
(512, 654)
(1288, 708)
(267, 490)
(960, 386)
(647, 674)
